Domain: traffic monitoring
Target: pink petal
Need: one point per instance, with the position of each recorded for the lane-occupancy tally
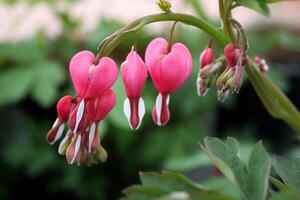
(134, 74)
(155, 50)
(64, 107)
(97, 109)
(79, 70)
(101, 77)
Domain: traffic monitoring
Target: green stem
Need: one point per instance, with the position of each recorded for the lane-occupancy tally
(111, 43)
(275, 101)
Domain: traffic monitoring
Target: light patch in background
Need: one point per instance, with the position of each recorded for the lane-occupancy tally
(22, 21)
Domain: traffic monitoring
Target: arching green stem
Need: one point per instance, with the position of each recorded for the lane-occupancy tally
(113, 41)
(275, 101)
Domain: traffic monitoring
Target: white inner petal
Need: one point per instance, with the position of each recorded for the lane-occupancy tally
(79, 115)
(55, 123)
(158, 108)
(62, 147)
(198, 85)
(91, 136)
(141, 111)
(127, 110)
(76, 150)
(59, 133)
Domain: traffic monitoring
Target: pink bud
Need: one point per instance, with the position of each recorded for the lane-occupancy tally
(134, 75)
(168, 70)
(262, 64)
(206, 57)
(231, 55)
(64, 107)
(91, 79)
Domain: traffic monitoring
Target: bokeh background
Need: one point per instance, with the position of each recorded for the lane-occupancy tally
(37, 40)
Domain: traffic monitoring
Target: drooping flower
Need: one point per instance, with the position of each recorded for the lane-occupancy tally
(232, 77)
(169, 67)
(97, 110)
(92, 80)
(63, 107)
(206, 60)
(134, 75)
(262, 64)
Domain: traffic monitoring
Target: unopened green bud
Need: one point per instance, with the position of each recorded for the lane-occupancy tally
(164, 5)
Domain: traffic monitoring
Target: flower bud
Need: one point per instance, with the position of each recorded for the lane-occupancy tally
(262, 64)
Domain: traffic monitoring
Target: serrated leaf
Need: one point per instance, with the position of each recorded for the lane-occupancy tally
(259, 169)
(259, 5)
(15, 84)
(253, 181)
(225, 156)
(289, 171)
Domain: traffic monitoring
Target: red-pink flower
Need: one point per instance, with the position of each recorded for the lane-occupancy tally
(206, 57)
(134, 75)
(91, 79)
(206, 68)
(63, 107)
(169, 68)
(262, 64)
(97, 110)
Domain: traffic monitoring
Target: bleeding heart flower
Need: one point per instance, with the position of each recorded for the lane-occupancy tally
(97, 110)
(63, 107)
(134, 76)
(92, 79)
(169, 68)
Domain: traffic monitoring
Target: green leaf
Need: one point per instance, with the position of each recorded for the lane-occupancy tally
(289, 171)
(253, 181)
(258, 5)
(259, 169)
(15, 84)
(278, 184)
(47, 78)
(286, 195)
(170, 186)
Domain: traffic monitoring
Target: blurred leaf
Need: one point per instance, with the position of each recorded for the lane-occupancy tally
(14, 84)
(287, 195)
(219, 183)
(258, 5)
(48, 76)
(289, 171)
(278, 184)
(170, 185)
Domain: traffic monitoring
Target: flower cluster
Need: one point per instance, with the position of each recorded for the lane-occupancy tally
(169, 67)
(228, 70)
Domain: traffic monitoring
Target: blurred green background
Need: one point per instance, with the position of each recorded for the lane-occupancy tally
(34, 75)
